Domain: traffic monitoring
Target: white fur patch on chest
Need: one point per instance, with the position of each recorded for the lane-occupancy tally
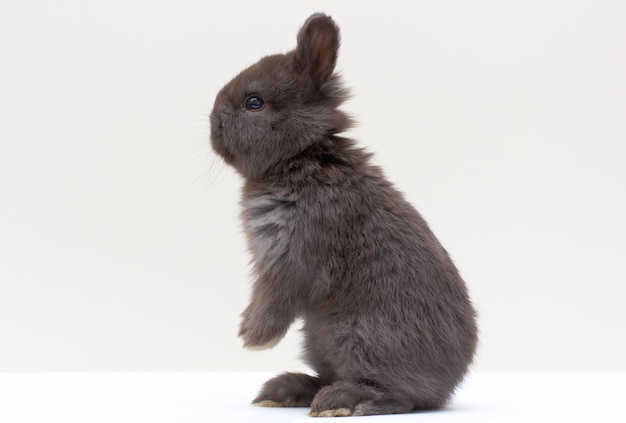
(269, 222)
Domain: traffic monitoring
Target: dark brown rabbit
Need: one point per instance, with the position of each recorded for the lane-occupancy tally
(388, 324)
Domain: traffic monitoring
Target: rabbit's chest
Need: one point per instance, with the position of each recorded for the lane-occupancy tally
(269, 223)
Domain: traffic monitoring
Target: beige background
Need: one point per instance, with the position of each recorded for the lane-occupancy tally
(120, 248)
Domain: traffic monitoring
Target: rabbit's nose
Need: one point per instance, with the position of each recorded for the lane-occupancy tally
(216, 121)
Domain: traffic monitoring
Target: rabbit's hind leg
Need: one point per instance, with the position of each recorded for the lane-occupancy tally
(288, 390)
(356, 399)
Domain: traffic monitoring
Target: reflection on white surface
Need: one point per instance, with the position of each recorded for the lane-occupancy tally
(225, 397)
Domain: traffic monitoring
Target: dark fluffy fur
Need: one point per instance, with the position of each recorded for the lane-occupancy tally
(388, 324)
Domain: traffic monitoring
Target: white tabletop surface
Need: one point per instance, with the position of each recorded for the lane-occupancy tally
(225, 397)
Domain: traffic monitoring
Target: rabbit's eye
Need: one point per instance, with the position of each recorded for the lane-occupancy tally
(254, 102)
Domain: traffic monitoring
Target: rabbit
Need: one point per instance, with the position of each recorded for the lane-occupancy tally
(388, 325)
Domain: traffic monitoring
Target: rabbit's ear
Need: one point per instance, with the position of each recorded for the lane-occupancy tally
(318, 43)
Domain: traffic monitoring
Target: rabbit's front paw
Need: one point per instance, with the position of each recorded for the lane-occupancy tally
(262, 330)
(267, 346)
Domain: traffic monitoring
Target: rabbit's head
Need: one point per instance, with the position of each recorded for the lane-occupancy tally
(281, 105)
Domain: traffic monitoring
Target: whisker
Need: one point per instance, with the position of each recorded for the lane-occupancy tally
(206, 168)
